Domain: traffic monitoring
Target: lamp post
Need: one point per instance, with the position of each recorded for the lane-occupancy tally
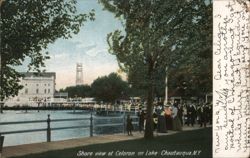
(166, 87)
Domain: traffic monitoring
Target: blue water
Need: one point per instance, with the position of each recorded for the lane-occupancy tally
(34, 137)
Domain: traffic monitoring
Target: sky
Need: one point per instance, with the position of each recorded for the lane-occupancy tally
(88, 47)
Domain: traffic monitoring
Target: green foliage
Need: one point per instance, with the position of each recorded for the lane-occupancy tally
(109, 88)
(165, 34)
(27, 27)
(195, 69)
(160, 36)
(11, 79)
(106, 88)
(78, 91)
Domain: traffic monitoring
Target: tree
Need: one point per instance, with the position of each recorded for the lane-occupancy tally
(158, 35)
(195, 69)
(109, 88)
(26, 29)
(193, 78)
(79, 91)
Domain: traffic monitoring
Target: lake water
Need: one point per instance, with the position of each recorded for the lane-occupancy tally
(34, 137)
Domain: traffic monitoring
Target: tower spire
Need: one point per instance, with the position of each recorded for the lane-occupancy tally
(79, 74)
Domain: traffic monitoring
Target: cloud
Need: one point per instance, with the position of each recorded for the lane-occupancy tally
(60, 56)
(82, 45)
(95, 51)
(92, 73)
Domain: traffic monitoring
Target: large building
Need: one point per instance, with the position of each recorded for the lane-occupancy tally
(37, 87)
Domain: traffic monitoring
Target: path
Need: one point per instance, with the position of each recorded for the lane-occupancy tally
(26, 149)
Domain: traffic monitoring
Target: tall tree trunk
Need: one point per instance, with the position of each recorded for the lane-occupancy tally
(149, 117)
(1, 69)
(1, 106)
(1, 80)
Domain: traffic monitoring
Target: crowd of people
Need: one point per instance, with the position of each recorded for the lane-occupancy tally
(175, 116)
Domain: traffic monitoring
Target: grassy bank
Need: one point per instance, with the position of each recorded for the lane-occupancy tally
(196, 143)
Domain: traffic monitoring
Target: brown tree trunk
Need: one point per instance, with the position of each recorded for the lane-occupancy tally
(1, 107)
(1, 81)
(149, 117)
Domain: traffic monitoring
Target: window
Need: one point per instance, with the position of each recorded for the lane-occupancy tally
(37, 91)
(45, 84)
(37, 84)
(48, 84)
(48, 90)
(45, 91)
(26, 91)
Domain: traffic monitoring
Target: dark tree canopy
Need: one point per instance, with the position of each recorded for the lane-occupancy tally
(109, 88)
(194, 71)
(27, 27)
(78, 91)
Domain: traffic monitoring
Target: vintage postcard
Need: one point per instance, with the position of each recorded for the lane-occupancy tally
(124, 78)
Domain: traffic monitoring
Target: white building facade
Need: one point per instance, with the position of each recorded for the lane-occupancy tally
(37, 87)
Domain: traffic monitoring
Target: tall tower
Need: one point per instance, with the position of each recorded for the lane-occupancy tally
(79, 75)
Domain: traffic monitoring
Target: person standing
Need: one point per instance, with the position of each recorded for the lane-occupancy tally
(190, 115)
(205, 114)
(184, 118)
(129, 125)
(168, 116)
(141, 116)
(200, 114)
(161, 128)
(155, 120)
(180, 113)
(176, 121)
